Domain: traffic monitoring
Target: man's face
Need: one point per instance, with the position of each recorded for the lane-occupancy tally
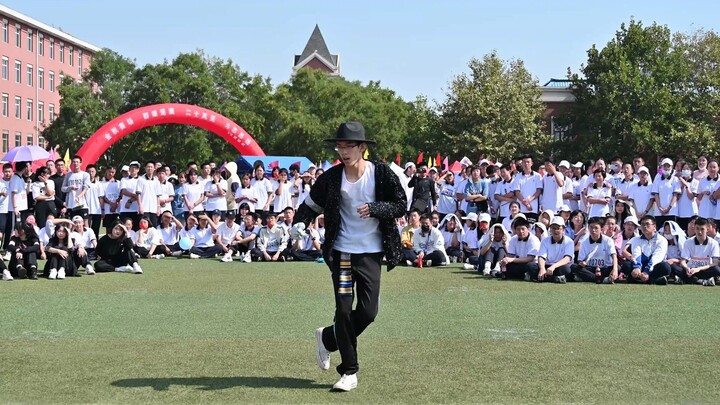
(7, 173)
(522, 231)
(134, 170)
(476, 174)
(557, 231)
(60, 166)
(76, 164)
(414, 218)
(527, 164)
(150, 169)
(249, 221)
(110, 173)
(289, 215)
(648, 228)
(206, 170)
(422, 171)
(627, 169)
(270, 221)
(638, 161)
(161, 176)
(701, 232)
(92, 172)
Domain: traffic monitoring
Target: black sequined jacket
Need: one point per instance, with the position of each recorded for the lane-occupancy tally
(390, 203)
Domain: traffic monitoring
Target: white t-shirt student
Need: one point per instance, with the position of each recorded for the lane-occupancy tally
(262, 188)
(687, 207)
(663, 189)
(18, 189)
(111, 192)
(285, 199)
(706, 209)
(83, 239)
(4, 188)
(227, 233)
(203, 237)
(697, 254)
(193, 192)
(216, 203)
(597, 254)
(528, 247)
(528, 185)
(502, 188)
(149, 190)
(551, 197)
(73, 185)
(170, 235)
(553, 252)
(245, 232)
(640, 196)
(470, 238)
(128, 184)
(92, 197)
(596, 209)
(356, 234)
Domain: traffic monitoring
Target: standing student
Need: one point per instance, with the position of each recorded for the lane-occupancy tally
(76, 184)
(505, 194)
(43, 192)
(598, 195)
(148, 193)
(284, 191)
(553, 186)
(6, 222)
(94, 199)
(360, 200)
(640, 194)
(193, 194)
(707, 185)
(110, 196)
(264, 192)
(214, 192)
(529, 188)
(128, 191)
(18, 199)
(666, 191)
(687, 203)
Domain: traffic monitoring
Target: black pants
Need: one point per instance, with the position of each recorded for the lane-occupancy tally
(125, 257)
(207, 252)
(517, 271)
(352, 274)
(306, 255)
(563, 270)
(95, 221)
(55, 261)
(10, 225)
(588, 273)
(659, 270)
(713, 271)
(42, 209)
(436, 257)
(454, 252)
(142, 251)
(683, 222)
(28, 262)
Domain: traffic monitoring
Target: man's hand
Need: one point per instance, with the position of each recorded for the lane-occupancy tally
(541, 274)
(636, 273)
(82, 252)
(63, 254)
(276, 256)
(364, 211)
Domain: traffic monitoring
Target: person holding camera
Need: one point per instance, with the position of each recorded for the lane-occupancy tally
(424, 196)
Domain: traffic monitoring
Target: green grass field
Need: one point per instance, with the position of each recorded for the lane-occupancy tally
(198, 331)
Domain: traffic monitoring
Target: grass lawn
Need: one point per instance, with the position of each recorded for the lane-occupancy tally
(199, 331)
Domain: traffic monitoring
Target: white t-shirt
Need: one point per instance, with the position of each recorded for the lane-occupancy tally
(687, 207)
(554, 252)
(4, 188)
(283, 200)
(700, 254)
(598, 210)
(203, 237)
(227, 234)
(170, 235)
(149, 190)
(528, 185)
(470, 238)
(707, 208)
(92, 198)
(18, 188)
(663, 190)
(569, 187)
(81, 180)
(193, 192)
(129, 184)
(249, 193)
(459, 188)
(303, 191)
(551, 197)
(216, 203)
(111, 192)
(640, 196)
(522, 249)
(39, 188)
(83, 239)
(166, 190)
(446, 199)
(262, 188)
(152, 237)
(501, 189)
(358, 235)
(245, 232)
(597, 254)
(429, 243)
(307, 242)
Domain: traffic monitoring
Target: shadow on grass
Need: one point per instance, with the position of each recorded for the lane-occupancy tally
(220, 383)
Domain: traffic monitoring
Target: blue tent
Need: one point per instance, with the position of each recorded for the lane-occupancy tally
(245, 163)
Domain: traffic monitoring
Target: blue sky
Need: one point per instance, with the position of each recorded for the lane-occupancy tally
(412, 47)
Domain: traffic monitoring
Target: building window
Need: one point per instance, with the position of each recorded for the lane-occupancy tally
(17, 107)
(41, 111)
(51, 113)
(62, 77)
(62, 52)
(41, 78)
(5, 141)
(41, 142)
(17, 35)
(5, 31)
(52, 48)
(18, 74)
(18, 138)
(30, 139)
(51, 79)
(5, 106)
(30, 75)
(5, 67)
(71, 57)
(29, 110)
(41, 45)
(30, 40)
(79, 62)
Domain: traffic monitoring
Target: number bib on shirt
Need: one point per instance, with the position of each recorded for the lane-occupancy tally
(694, 262)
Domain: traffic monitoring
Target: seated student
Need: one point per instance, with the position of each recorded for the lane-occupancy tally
(24, 248)
(48, 231)
(453, 236)
(540, 230)
(84, 243)
(249, 232)
(203, 236)
(115, 251)
(676, 240)
(712, 230)
(556, 254)
(514, 208)
(523, 249)
(271, 242)
(545, 218)
(471, 241)
(306, 245)
(699, 259)
(597, 261)
(493, 248)
(428, 245)
(147, 239)
(649, 251)
(169, 228)
(406, 235)
(60, 253)
(227, 236)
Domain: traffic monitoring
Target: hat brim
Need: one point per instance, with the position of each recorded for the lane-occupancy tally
(349, 140)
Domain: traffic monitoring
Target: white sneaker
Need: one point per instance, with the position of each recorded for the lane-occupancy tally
(347, 382)
(128, 268)
(61, 273)
(177, 254)
(53, 274)
(7, 276)
(322, 355)
(194, 256)
(89, 270)
(159, 256)
(709, 282)
(121, 269)
(227, 258)
(247, 258)
(468, 266)
(136, 268)
(486, 271)
(6, 257)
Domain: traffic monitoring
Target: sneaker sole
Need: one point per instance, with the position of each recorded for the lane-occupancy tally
(318, 343)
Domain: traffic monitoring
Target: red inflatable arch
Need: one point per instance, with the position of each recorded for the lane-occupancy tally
(158, 114)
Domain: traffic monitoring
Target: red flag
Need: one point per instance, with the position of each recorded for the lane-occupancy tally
(445, 162)
(274, 164)
(336, 162)
(420, 158)
(298, 163)
(437, 159)
(397, 159)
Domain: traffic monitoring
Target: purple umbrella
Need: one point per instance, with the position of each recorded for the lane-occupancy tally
(26, 153)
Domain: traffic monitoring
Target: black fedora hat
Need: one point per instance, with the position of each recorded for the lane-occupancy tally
(351, 131)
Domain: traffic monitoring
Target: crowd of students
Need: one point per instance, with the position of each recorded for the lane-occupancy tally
(584, 222)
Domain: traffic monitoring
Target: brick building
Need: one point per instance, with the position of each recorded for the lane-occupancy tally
(34, 58)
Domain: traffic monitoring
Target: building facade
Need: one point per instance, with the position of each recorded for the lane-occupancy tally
(558, 98)
(34, 59)
(317, 56)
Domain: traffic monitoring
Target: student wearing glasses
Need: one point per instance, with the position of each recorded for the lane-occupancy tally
(648, 251)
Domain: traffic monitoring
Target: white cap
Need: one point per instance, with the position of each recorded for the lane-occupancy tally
(471, 216)
(643, 169)
(409, 164)
(564, 163)
(484, 217)
(541, 226)
(433, 168)
(557, 221)
(666, 161)
(125, 168)
(312, 166)
(484, 162)
(550, 214)
(565, 208)
(577, 165)
(498, 165)
(77, 218)
(135, 162)
(632, 219)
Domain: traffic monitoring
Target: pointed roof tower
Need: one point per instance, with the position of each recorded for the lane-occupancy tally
(316, 55)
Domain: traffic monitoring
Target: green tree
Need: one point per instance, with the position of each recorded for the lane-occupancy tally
(494, 110)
